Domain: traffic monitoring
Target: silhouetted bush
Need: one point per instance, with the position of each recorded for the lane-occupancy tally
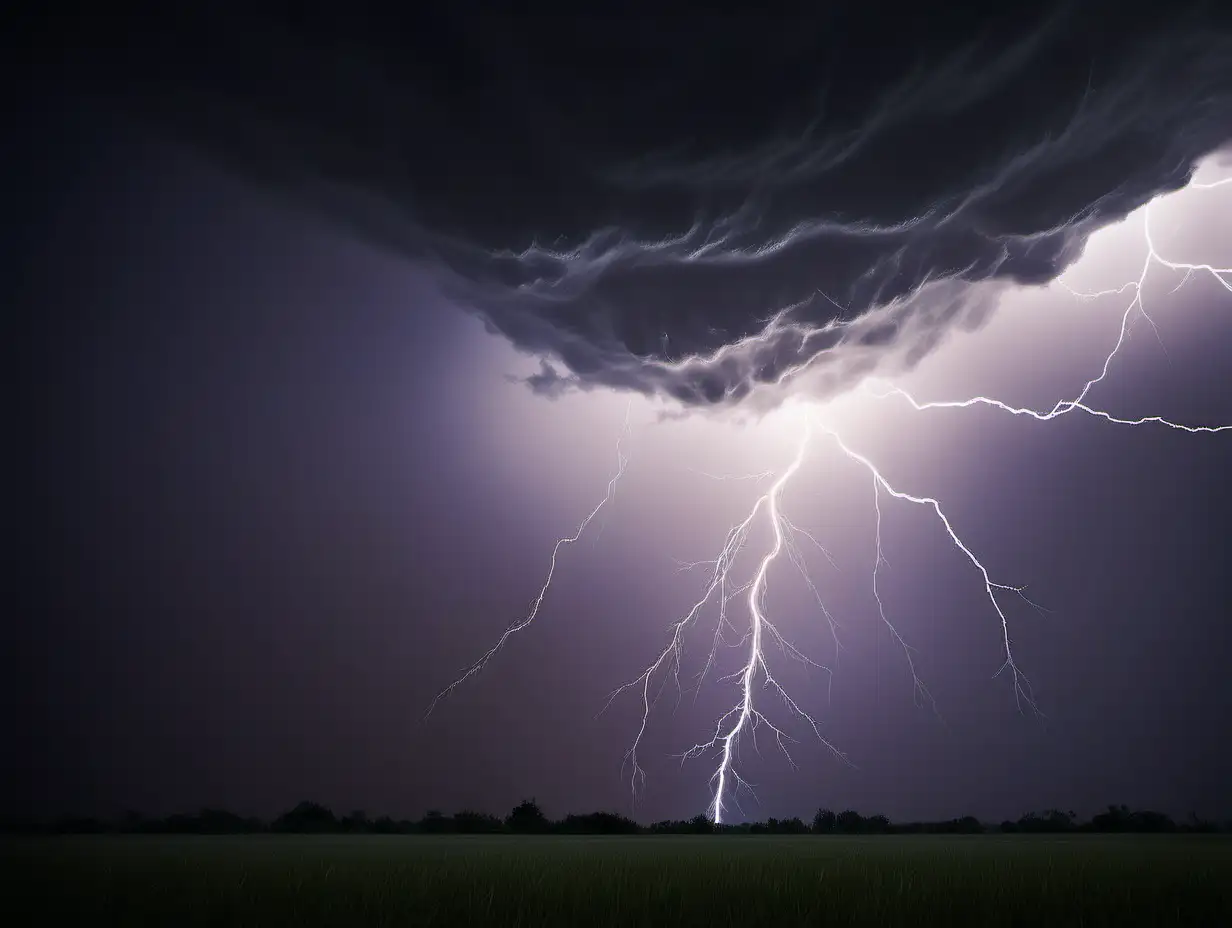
(527, 819)
(468, 822)
(306, 818)
(849, 822)
(597, 823)
(823, 822)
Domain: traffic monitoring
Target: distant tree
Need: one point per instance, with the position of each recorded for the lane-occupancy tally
(876, 825)
(477, 823)
(793, 826)
(1055, 821)
(700, 825)
(1200, 825)
(436, 822)
(181, 824)
(968, 825)
(527, 818)
(1151, 822)
(222, 822)
(1116, 818)
(1050, 822)
(356, 822)
(307, 817)
(598, 823)
(384, 826)
(824, 822)
(849, 822)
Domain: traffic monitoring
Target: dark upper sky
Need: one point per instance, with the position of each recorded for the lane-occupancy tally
(275, 483)
(620, 190)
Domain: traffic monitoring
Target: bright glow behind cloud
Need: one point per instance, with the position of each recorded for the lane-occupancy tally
(723, 449)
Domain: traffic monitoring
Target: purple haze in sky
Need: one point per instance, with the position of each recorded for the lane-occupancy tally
(277, 490)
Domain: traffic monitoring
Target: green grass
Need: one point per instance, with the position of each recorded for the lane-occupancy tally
(597, 881)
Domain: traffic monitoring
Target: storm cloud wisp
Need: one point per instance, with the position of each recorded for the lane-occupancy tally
(694, 206)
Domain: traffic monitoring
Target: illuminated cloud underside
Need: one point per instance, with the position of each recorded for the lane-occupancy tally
(638, 214)
(721, 589)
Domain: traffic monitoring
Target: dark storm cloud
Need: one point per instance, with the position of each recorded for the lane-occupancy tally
(634, 197)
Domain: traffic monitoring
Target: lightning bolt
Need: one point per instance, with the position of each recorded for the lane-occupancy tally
(523, 623)
(756, 673)
(1221, 275)
(721, 587)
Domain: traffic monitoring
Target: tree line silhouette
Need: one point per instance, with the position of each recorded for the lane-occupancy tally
(527, 818)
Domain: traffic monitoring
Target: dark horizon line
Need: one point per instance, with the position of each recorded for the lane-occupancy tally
(527, 818)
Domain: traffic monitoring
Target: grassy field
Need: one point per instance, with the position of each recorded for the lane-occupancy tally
(595, 881)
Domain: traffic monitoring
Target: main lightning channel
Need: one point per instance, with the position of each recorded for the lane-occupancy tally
(744, 716)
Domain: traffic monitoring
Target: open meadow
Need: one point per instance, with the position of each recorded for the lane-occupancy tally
(709, 881)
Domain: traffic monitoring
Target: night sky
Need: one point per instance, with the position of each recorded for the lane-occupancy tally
(328, 330)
